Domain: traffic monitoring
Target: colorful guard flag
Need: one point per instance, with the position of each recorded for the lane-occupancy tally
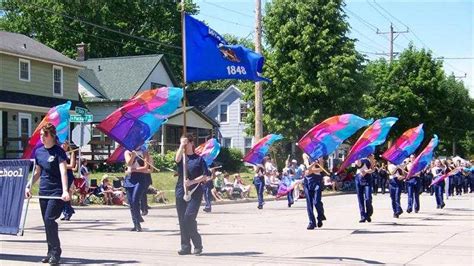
(139, 118)
(260, 149)
(424, 158)
(209, 57)
(59, 117)
(374, 135)
(325, 137)
(117, 156)
(209, 150)
(405, 145)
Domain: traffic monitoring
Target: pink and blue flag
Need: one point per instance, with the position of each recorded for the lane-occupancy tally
(141, 117)
(117, 156)
(260, 149)
(424, 158)
(324, 138)
(59, 117)
(209, 150)
(373, 136)
(405, 145)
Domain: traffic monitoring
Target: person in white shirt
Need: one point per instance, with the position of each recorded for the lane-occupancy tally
(395, 187)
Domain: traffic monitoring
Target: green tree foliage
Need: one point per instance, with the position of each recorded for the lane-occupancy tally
(53, 23)
(230, 159)
(415, 89)
(314, 66)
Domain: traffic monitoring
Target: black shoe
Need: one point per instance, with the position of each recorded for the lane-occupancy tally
(62, 219)
(438, 207)
(54, 260)
(369, 219)
(395, 215)
(206, 210)
(145, 213)
(45, 259)
(416, 211)
(184, 252)
(442, 205)
(197, 251)
(310, 227)
(362, 221)
(289, 205)
(320, 224)
(323, 218)
(141, 220)
(260, 207)
(408, 210)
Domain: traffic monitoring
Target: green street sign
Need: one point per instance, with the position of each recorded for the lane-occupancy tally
(80, 110)
(80, 118)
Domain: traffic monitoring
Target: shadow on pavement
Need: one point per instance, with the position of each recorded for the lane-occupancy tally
(345, 259)
(376, 232)
(66, 260)
(224, 254)
(397, 224)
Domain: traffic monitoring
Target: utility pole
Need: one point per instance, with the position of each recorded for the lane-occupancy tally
(392, 38)
(258, 85)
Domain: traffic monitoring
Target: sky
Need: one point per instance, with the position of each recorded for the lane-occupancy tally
(445, 27)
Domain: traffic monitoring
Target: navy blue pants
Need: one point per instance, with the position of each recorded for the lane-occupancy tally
(144, 199)
(451, 186)
(413, 185)
(68, 210)
(135, 193)
(207, 187)
(395, 193)
(290, 197)
(364, 196)
(439, 190)
(313, 194)
(187, 213)
(259, 183)
(51, 210)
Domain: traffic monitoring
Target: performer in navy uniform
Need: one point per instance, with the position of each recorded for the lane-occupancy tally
(52, 171)
(313, 183)
(68, 210)
(189, 199)
(413, 187)
(364, 189)
(395, 183)
(259, 183)
(136, 182)
(439, 187)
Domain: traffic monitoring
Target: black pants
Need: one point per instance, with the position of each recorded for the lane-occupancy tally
(144, 200)
(187, 213)
(134, 195)
(51, 210)
(383, 184)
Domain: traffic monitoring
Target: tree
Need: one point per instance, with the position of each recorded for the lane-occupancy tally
(314, 67)
(62, 24)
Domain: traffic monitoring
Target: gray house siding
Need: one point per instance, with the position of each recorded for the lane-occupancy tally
(233, 128)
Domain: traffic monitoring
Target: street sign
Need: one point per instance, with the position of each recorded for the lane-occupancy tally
(80, 110)
(80, 118)
(77, 133)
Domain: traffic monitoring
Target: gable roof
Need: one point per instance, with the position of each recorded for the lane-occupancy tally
(22, 45)
(202, 98)
(179, 111)
(120, 77)
(220, 97)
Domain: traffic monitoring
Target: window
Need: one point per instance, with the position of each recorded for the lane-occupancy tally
(1, 128)
(247, 145)
(57, 80)
(223, 112)
(227, 142)
(203, 136)
(157, 85)
(243, 111)
(24, 69)
(24, 127)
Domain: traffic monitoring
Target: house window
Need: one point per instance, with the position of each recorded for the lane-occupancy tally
(247, 145)
(243, 111)
(1, 128)
(58, 80)
(24, 69)
(203, 136)
(227, 142)
(223, 112)
(157, 85)
(24, 127)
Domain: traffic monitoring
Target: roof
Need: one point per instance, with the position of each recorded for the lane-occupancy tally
(202, 98)
(35, 100)
(21, 45)
(179, 111)
(120, 77)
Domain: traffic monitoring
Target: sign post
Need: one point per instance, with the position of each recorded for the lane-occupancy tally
(78, 136)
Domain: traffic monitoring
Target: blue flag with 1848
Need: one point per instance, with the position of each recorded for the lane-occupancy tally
(209, 57)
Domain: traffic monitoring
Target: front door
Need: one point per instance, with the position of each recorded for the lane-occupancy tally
(24, 127)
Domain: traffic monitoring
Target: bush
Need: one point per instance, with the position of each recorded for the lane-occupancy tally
(231, 159)
(164, 161)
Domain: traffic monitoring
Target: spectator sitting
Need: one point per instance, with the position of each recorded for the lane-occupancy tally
(216, 190)
(239, 184)
(228, 187)
(158, 195)
(111, 195)
(328, 183)
(272, 184)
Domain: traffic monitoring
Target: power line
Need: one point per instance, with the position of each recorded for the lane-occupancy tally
(370, 39)
(228, 9)
(391, 15)
(105, 28)
(227, 21)
(378, 11)
(370, 25)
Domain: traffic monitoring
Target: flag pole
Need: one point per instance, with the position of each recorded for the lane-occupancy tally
(183, 42)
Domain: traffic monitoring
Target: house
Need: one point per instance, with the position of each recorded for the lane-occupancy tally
(107, 83)
(33, 78)
(229, 109)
